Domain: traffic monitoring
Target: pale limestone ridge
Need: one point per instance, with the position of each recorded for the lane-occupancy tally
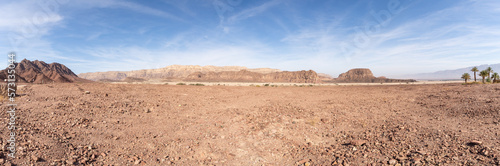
(169, 72)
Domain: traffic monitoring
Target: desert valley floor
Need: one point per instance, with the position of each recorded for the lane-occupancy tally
(137, 124)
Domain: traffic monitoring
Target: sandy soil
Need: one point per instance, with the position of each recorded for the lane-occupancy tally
(284, 84)
(134, 124)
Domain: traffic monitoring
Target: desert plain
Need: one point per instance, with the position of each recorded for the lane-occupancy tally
(139, 124)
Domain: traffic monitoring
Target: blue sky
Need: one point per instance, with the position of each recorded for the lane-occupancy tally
(391, 37)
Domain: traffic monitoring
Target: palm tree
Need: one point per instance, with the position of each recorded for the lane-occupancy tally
(474, 70)
(483, 74)
(495, 77)
(466, 76)
(489, 71)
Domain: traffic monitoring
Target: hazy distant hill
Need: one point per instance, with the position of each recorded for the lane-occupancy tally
(207, 74)
(173, 71)
(451, 74)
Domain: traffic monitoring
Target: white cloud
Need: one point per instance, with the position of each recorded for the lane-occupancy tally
(25, 16)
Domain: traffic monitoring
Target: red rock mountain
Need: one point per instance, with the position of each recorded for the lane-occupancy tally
(40, 72)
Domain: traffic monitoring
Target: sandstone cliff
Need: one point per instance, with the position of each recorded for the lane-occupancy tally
(169, 72)
(40, 72)
(365, 76)
(249, 76)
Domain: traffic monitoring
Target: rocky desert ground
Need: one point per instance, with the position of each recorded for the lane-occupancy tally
(137, 124)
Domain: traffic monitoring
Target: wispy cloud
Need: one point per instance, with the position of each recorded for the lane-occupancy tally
(251, 12)
(125, 5)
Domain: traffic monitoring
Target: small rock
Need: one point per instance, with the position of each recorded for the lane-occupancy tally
(147, 110)
(8, 164)
(302, 161)
(484, 152)
(357, 142)
(137, 162)
(474, 142)
(87, 92)
(35, 158)
(421, 152)
(392, 162)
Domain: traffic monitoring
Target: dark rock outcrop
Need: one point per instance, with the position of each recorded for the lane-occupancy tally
(40, 72)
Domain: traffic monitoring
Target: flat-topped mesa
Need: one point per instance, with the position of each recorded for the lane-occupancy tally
(357, 75)
(364, 75)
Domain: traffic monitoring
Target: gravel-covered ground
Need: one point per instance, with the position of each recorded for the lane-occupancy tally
(124, 124)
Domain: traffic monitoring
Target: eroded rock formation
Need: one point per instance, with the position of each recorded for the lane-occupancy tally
(249, 76)
(178, 72)
(363, 75)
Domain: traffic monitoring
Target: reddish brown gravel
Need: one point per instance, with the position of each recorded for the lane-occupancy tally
(111, 124)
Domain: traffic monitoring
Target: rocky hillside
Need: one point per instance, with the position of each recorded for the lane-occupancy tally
(40, 72)
(169, 72)
(249, 76)
(365, 75)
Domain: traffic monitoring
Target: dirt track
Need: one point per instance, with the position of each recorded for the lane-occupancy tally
(217, 125)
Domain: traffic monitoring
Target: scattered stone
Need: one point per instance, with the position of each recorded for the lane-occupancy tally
(357, 142)
(137, 162)
(474, 142)
(302, 161)
(421, 152)
(35, 158)
(87, 92)
(392, 162)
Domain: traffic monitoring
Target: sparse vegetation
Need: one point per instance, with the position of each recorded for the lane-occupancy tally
(474, 69)
(488, 76)
(466, 76)
(266, 84)
(180, 83)
(483, 74)
(489, 70)
(495, 77)
(197, 84)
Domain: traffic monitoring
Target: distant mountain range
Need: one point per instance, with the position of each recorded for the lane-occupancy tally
(451, 74)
